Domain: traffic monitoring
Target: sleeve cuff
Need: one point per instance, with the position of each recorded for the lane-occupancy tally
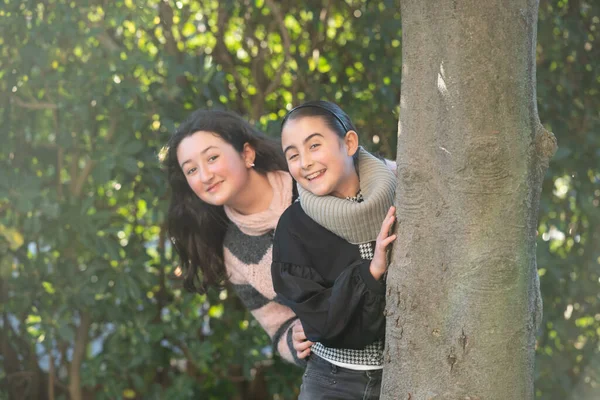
(373, 285)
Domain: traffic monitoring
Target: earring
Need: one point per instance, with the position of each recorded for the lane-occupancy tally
(251, 165)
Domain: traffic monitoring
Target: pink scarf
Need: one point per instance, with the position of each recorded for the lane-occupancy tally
(265, 221)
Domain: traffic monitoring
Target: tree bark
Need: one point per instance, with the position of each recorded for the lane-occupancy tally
(463, 301)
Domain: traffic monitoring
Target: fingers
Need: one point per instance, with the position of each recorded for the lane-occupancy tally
(379, 263)
(299, 336)
(391, 211)
(303, 354)
(301, 346)
(387, 223)
(298, 333)
(383, 239)
(387, 241)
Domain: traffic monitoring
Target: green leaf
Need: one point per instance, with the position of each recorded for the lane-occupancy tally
(102, 172)
(132, 148)
(33, 319)
(130, 164)
(12, 236)
(65, 332)
(48, 287)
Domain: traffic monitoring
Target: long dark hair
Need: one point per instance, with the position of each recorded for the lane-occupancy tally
(335, 118)
(196, 228)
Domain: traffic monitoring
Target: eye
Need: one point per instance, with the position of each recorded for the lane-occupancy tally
(212, 158)
(190, 171)
(314, 146)
(292, 157)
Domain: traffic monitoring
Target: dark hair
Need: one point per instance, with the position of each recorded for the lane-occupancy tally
(197, 229)
(335, 118)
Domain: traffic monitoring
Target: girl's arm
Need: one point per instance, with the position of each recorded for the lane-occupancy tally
(348, 314)
(276, 319)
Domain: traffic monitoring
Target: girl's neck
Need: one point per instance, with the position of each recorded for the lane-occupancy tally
(256, 196)
(349, 187)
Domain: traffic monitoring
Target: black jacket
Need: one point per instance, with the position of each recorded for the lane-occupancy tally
(324, 280)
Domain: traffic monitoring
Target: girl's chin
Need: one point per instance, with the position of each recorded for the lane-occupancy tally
(215, 200)
(317, 190)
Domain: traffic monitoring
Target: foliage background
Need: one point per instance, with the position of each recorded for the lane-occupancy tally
(91, 306)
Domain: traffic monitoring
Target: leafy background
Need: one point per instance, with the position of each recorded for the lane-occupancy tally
(91, 301)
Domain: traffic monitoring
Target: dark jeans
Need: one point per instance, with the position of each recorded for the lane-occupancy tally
(323, 380)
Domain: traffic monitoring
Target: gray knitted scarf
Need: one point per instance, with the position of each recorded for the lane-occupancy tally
(355, 222)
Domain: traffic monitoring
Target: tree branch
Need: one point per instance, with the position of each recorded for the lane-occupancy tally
(192, 368)
(165, 12)
(77, 183)
(221, 52)
(287, 44)
(108, 42)
(73, 170)
(59, 158)
(318, 38)
(62, 348)
(34, 104)
(83, 175)
(50, 375)
(81, 340)
(59, 167)
(10, 357)
(105, 39)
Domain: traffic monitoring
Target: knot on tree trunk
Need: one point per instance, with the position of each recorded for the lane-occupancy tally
(546, 145)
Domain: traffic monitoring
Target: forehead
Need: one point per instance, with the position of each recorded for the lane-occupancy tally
(198, 142)
(297, 130)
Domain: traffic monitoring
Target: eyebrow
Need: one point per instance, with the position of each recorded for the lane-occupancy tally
(202, 152)
(304, 141)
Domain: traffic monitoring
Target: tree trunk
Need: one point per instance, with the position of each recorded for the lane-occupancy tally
(463, 301)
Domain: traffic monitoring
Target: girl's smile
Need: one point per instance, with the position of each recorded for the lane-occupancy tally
(315, 175)
(214, 187)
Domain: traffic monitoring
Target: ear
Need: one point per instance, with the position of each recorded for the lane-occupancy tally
(249, 155)
(351, 142)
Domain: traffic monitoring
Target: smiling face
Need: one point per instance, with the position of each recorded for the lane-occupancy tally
(213, 168)
(318, 159)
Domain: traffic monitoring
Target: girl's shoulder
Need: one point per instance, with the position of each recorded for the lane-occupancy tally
(299, 240)
(295, 223)
(293, 216)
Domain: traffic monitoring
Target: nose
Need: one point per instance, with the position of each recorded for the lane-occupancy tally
(306, 161)
(205, 174)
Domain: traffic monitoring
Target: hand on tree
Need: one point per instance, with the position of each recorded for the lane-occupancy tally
(379, 263)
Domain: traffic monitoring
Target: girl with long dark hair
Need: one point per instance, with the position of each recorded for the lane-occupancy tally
(229, 186)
